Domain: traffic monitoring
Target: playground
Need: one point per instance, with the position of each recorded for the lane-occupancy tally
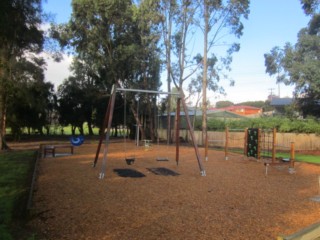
(154, 198)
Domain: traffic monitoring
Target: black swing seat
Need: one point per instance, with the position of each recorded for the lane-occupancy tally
(162, 159)
(130, 160)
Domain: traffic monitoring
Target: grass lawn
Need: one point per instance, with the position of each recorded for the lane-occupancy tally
(298, 156)
(16, 173)
(301, 157)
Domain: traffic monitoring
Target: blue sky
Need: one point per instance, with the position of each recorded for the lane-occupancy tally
(271, 23)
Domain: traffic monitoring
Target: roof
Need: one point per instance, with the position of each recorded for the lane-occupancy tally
(235, 107)
(281, 101)
(210, 113)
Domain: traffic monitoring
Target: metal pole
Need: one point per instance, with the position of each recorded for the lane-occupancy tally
(146, 91)
(138, 125)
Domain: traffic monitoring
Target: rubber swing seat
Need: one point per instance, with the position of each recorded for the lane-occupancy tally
(77, 141)
(130, 160)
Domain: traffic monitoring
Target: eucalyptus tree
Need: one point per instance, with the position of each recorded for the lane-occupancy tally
(168, 10)
(147, 55)
(114, 42)
(217, 21)
(19, 34)
(299, 64)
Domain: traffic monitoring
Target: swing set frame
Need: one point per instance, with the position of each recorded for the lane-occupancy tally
(108, 120)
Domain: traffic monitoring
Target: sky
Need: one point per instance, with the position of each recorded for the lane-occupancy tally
(271, 23)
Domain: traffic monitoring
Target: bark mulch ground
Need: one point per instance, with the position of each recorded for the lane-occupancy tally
(153, 199)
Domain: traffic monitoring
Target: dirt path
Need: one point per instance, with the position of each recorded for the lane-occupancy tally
(160, 200)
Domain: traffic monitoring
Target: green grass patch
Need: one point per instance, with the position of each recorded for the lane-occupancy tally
(15, 180)
(298, 156)
(301, 157)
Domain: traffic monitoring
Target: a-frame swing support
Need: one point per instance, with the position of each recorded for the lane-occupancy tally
(108, 120)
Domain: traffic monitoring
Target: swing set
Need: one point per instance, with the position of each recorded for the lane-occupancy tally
(105, 131)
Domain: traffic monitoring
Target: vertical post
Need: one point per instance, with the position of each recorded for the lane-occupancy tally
(259, 144)
(274, 139)
(105, 152)
(202, 170)
(206, 145)
(103, 127)
(226, 144)
(245, 147)
(292, 155)
(177, 125)
(138, 124)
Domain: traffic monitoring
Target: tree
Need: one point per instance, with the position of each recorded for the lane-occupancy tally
(274, 66)
(19, 34)
(114, 42)
(168, 9)
(217, 17)
(300, 63)
(70, 105)
(223, 104)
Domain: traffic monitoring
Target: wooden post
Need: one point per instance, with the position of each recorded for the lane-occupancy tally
(274, 135)
(206, 146)
(202, 170)
(259, 144)
(103, 127)
(105, 152)
(245, 149)
(226, 144)
(292, 155)
(177, 125)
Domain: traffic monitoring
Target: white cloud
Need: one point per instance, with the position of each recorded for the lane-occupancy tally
(57, 71)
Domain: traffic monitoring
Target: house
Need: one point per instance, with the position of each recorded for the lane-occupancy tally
(216, 113)
(280, 103)
(241, 110)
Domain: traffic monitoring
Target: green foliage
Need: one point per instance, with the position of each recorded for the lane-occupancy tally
(16, 169)
(299, 64)
(280, 123)
(223, 104)
(20, 38)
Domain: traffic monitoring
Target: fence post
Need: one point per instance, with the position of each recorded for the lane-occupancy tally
(274, 136)
(292, 155)
(226, 144)
(245, 148)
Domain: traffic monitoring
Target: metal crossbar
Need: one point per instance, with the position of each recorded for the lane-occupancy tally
(146, 91)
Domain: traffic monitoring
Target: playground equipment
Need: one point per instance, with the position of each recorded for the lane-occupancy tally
(261, 142)
(108, 120)
(51, 149)
(230, 138)
(129, 159)
(258, 143)
(77, 140)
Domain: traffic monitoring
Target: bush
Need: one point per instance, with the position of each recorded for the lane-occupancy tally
(282, 124)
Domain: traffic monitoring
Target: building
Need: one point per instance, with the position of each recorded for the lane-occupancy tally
(279, 104)
(241, 110)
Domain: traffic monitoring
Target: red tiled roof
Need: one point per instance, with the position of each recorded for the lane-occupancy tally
(235, 107)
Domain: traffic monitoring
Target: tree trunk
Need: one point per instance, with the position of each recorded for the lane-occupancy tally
(205, 81)
(3, 115)
(136, 117)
